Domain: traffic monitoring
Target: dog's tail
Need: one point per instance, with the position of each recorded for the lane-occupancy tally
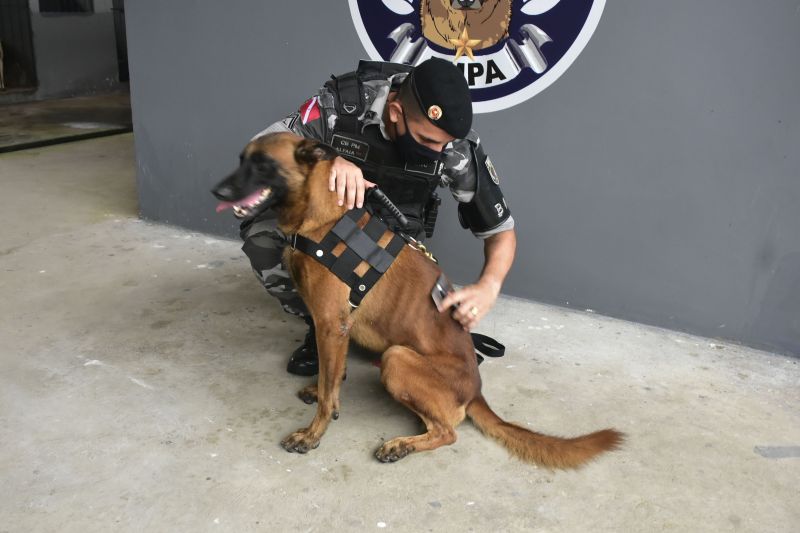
(544, 450)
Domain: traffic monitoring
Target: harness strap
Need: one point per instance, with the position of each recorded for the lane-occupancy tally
(344, 265)
(365, 247)
(361, 245)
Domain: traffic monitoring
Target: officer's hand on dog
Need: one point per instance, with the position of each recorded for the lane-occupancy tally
(347, 180)
(474, 301)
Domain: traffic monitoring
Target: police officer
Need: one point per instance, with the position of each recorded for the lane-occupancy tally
(408, 130)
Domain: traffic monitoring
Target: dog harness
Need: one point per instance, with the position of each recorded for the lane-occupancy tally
(361, 246)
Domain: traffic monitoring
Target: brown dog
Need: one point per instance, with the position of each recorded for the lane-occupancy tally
(488, 23)
(428, 361)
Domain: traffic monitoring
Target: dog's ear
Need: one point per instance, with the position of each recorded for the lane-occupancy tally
(310, 151)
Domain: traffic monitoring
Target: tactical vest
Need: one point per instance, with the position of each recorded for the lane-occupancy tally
(410, 186)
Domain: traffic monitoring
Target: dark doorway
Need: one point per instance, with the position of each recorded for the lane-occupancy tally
(66, 6)
(122, 39)
(16, 39)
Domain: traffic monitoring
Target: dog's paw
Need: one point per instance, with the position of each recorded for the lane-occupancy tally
(308, 394)
(300, 442)
(394, 450)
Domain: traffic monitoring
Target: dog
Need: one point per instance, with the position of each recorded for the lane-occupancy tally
(428, 361)
(485, 20)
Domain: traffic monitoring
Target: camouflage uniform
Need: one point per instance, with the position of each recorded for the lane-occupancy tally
(316, 119)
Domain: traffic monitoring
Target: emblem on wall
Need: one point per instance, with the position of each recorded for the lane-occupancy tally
(509, 50)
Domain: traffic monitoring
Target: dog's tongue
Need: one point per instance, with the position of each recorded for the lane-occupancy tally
(251, 199)
(224, 205)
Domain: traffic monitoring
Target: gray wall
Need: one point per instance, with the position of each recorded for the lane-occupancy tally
(656, 180)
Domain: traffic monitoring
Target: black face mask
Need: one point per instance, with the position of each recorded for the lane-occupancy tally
(413, 151)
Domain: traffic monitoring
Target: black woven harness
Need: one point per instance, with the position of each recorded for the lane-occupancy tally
(361, 245)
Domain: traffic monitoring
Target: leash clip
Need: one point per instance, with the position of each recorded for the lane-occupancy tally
(427, 253)
(418, 246)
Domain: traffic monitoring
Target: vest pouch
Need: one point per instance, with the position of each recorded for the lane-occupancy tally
(410, 193)
(415, 227)
(431, 213)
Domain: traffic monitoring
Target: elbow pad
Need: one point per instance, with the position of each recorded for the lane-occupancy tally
(488, 208)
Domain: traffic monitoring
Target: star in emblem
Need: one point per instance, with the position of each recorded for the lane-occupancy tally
(464, 45)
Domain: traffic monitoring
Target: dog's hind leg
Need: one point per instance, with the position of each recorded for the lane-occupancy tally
(415, 382)
(332, 344)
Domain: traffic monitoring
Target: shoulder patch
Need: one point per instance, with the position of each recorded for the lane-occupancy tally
(290, 120)
(309, 111)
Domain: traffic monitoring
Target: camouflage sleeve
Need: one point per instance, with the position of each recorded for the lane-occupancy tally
(459, 172)
(308, 121)
(461, 176)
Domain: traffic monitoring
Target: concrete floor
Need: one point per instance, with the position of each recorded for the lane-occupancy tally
(44, 122)
(142, 388)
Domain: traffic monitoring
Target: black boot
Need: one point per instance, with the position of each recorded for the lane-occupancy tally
(305, 359)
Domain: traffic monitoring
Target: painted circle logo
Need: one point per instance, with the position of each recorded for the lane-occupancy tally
(509, 50)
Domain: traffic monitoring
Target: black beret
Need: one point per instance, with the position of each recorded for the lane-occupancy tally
(443, 96)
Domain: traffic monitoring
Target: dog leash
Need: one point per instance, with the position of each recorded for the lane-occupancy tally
(487, 346)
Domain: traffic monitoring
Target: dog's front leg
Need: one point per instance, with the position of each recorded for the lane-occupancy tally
(332, 341)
